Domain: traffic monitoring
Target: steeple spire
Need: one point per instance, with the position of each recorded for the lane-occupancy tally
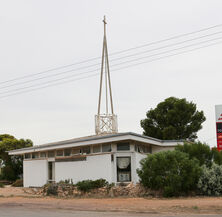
(107, 122)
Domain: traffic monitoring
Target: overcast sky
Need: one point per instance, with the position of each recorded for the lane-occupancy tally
(43, 34)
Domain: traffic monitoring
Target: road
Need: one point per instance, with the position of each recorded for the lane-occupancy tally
(26, 212)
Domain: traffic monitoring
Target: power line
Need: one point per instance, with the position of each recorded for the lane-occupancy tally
(170, 45)
(118, 52)
(95, 74)
(139, 53)
(145, 57)
(168, 39)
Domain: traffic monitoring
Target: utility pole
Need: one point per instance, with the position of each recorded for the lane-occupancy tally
(107, 122)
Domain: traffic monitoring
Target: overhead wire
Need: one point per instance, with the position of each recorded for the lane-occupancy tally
(95, 74)
(129, 61)
(116, 59)
(118, 52)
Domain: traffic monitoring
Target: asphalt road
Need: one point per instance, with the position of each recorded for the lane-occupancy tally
(25, 212)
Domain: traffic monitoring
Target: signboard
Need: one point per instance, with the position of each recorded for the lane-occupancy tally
(218, 109)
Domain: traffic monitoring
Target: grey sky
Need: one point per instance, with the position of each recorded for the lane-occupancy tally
(43, 34)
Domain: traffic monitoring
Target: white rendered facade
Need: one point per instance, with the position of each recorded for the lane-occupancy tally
(113, 157)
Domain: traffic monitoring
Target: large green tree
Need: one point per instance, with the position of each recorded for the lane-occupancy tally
(173, 118)
(11, 165)
(198, 150)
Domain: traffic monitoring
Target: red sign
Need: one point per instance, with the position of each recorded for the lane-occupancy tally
(219, 135)
(218, 111)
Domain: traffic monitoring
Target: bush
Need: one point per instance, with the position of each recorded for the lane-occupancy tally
(18, 183)
(217, 156)
(87, 185)
(52, 189)
(169, 171)
(198, 150)
(210, 182)
(99, 183)
(2, 185)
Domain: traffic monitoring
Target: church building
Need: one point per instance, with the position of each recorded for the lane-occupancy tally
(107, 154)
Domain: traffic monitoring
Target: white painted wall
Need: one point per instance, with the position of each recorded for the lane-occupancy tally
(95, 167)
(138, 158)
(35, 173)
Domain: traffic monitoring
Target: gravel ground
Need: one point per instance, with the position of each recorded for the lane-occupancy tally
(16, 197)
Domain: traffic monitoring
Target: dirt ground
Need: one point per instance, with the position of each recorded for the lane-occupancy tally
(16, 197)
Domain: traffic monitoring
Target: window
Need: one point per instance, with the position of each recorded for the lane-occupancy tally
(123, 169)
(79, 158)
(67, 152)
(59, 153)
(106, 148)
(86, 150)
(51, 154)
(123, 146)
(43, 154)
(76, 151)
(28, 156)
(96, 148)
(35, 155)
(143, 148)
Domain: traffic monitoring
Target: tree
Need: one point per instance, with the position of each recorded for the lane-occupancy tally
(12, 165)
(169, 171)
(173, 119)
(198, 150)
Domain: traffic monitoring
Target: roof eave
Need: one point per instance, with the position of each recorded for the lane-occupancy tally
(95, 140)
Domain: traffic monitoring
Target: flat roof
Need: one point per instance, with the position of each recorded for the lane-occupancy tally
(97, 139)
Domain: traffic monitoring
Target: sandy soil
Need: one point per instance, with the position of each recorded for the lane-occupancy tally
(9, 191)
(11, 197)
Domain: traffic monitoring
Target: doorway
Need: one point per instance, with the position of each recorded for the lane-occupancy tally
(51, 171)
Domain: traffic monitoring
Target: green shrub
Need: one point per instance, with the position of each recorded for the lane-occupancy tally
(18, 183)
(217, 156)
(52, 189)
(2, 185)
(210, 182)
(87, 185)
(99, 183)
(172, 172)
(198, 150)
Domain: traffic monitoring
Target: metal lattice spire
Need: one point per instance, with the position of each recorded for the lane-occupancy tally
(107, 122)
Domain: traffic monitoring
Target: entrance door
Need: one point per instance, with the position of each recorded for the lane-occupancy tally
(123, 169)
(51, 171)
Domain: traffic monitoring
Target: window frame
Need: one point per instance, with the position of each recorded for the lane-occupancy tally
(110, 145)
(76, 148)
(59, 155)
(42, 153)
(65, 153)
(122, 144)
(53, 151)
(86, 147)
(35, 154)
(100, 149)
(30, 156)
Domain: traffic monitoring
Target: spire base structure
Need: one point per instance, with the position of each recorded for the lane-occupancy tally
(105, 123)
